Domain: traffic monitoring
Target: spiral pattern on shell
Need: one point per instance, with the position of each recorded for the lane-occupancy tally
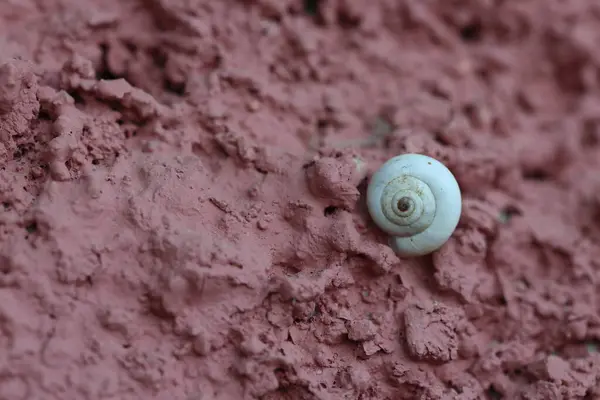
(417, 201)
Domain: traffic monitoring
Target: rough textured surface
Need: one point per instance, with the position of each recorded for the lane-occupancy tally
(182, 211)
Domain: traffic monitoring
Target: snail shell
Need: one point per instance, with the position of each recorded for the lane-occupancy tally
(415, 199)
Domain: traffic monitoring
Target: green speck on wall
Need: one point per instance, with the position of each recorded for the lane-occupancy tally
(493, 393)
(504, 217)
(31, 227)
(507, 214)
(311, 7)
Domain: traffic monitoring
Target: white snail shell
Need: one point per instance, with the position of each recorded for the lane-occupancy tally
(415, 199)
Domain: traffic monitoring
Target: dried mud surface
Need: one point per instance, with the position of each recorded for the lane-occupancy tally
(182, 211)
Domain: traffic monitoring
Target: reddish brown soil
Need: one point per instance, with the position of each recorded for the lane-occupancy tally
(182, 217)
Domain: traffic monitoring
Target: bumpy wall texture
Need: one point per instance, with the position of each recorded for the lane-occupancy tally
(182, 203)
